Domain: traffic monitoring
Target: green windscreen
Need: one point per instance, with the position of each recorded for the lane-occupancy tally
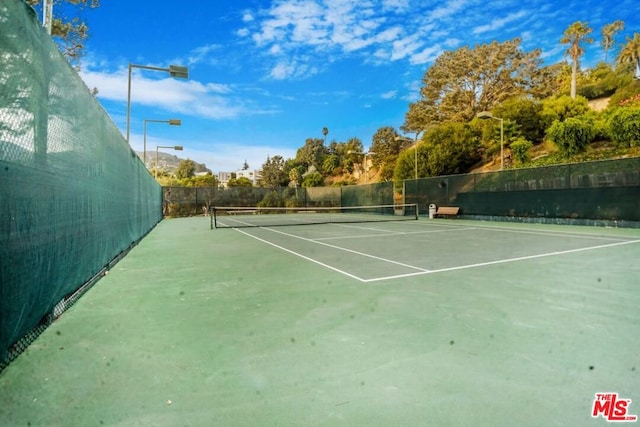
(73, 195)
(606, 190)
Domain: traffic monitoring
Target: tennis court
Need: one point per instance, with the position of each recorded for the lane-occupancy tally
(427, 322)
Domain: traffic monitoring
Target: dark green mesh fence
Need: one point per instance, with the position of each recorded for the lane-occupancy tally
(603, 190)
(188, 201)
(370, 194)
(73, 195)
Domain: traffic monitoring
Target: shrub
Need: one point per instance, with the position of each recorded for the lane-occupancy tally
(520, 150)
(314, 179)
(624, 127)
(563, 107)
(271, 200)
(572, 135)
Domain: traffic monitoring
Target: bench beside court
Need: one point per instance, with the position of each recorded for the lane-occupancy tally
(447, 211)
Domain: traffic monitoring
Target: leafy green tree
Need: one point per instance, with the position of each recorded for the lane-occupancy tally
(274, 173)
(387, 145)
(207, 180)
(404, 168)
(313, 179)
(526, 116)
(575, 35)
(549, 80)
(186, 169)
(449, 148)
(421, 115)
(463, 82)
(563, 107)
(625, 126)
(331, 163)
(630, 53)
(69, 32)
(600, 81)
(312, 153)
(572, 135)
(295, 177)
(240, 182)
(454, 149)
(624, 93)
(349, 156)
(608, 36)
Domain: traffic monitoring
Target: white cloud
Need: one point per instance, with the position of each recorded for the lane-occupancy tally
(499, 23)
(201, 54)
(323, 30)
(283, 70)
(396, 5)
(447, 11)
(405, 47)
(428, 54)
(212, 100)
(294, 37)
(389, 95)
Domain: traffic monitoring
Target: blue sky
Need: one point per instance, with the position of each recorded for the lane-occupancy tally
(265, 75)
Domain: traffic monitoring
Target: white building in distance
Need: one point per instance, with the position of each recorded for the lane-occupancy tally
(252, 175)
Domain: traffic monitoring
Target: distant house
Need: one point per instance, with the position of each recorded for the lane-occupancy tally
(252, 175)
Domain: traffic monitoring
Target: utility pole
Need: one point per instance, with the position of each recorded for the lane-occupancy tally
(47, 15)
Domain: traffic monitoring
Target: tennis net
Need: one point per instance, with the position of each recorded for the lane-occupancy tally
(239, 217)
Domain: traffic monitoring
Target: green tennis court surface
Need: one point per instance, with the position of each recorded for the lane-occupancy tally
(429, 322)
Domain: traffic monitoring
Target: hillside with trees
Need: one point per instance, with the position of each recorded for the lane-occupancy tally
(546, 114)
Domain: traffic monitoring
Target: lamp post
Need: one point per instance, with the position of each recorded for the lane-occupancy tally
(172, 122)
(173, 147)
(370, 153)
(484, 115)
(176, 71)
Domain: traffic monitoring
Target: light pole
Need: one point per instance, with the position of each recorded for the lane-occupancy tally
(370, 153)
(172, 122)
(173, 147)
(176, 71)
(484, 115)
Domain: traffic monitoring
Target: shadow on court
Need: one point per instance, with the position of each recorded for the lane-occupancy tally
(420, 323)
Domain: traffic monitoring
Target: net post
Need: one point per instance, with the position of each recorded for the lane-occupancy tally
(212, 215)
(417, 212)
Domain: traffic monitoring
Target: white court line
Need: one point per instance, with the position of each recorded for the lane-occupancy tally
(422, 270)
(426, 271)
(392, 233)
(501, 261)
(525, 230)
(302, 256)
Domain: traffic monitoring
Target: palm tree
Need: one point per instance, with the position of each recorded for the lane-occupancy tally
(631, 52)
(608, 33)
(574, 36)
(325, 131)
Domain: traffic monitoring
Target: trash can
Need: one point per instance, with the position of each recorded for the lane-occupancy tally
(432, 211)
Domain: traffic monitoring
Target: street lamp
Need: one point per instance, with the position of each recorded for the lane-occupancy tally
(370, 153)
(173, 147)
(176, 71)
(172, 122)
(484, 115)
